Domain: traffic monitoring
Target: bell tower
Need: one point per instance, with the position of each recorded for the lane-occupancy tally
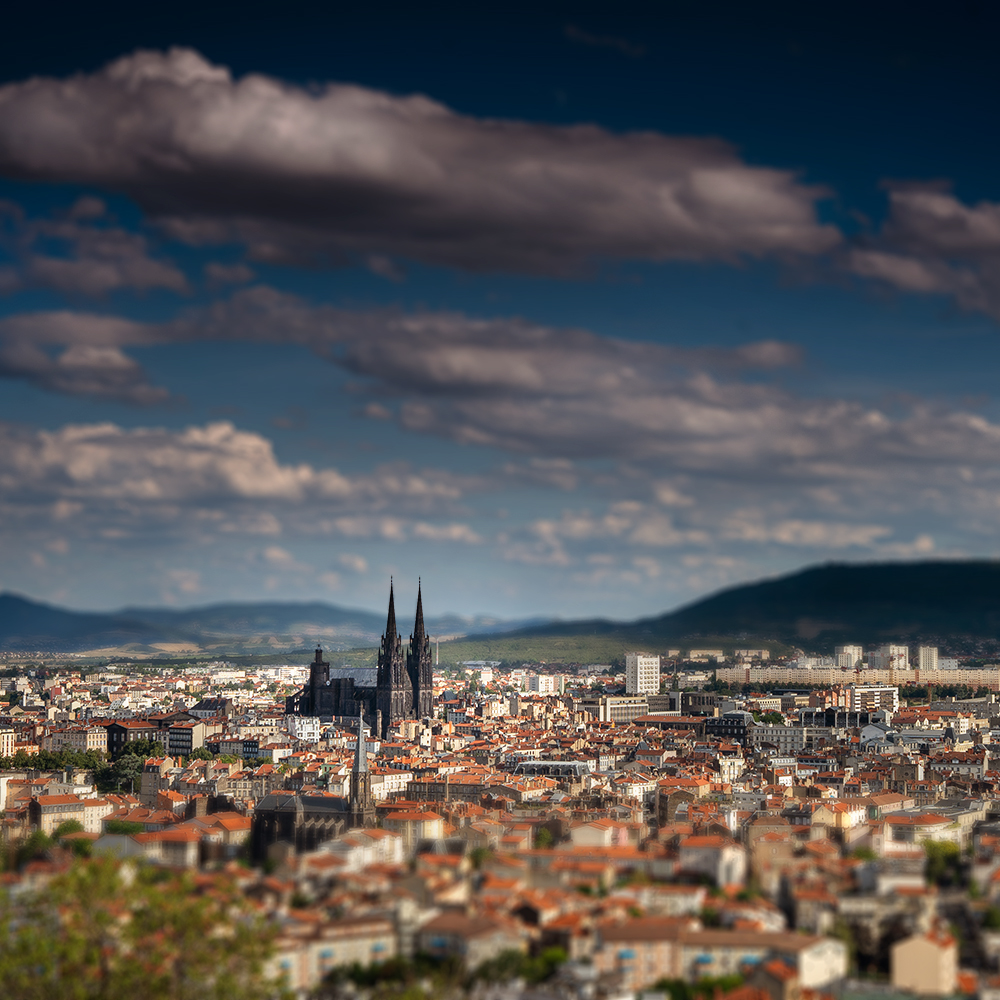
(362, 800)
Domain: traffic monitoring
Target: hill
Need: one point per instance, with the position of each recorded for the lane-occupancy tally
(27, 625)
(952, 604)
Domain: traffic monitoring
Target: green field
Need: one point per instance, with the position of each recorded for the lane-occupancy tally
(579, 648)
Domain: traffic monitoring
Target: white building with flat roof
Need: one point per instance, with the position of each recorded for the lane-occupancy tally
(927, 658)
(889, 657)
(848, 657)
(642, 673)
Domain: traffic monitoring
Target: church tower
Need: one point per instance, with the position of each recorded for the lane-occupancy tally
(362, 800)
(394, 692)
(419, 664)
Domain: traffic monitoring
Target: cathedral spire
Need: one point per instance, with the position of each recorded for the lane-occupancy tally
(390, 625)
(418, 626)
(361, 752)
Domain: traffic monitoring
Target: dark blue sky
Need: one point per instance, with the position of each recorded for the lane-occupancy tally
(276, 340)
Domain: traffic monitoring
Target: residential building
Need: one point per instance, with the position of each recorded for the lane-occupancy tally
(642, 673)
(889, 657)
(926, 964)
(849, 657)
(927, 658)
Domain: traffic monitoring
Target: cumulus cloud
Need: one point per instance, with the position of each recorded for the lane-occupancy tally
(97, 256)
(343, 170)
(933, 243)
(203, 480)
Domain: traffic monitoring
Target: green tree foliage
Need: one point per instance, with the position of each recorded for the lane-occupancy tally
(944, 863)
(116, 932)
(202, 754)
(704, 989)
(479, 856)
(123, 826)
(544, 838)
(124, 772)
(144, 748)
(516, 965)
(991, 918)
(54, 760)
(65, 827)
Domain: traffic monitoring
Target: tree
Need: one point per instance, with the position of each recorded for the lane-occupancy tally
(126, 769)
(109, 930)
(544, 838)
(144, 748)
(65, 827)
(944, 862)
(123, 826)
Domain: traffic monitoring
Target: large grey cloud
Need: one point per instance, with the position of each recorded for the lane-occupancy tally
(346, 170)
(934, 243)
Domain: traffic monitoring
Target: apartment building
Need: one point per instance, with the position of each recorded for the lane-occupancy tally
(642, 673)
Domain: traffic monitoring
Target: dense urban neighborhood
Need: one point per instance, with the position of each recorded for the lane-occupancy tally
(688, 820)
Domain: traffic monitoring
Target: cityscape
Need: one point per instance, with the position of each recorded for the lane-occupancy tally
(499, 501)
(688, 819)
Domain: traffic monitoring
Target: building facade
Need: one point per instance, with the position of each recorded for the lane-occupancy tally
(642, 673)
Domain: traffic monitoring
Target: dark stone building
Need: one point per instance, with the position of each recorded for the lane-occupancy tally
(400, 687)
(306, 821)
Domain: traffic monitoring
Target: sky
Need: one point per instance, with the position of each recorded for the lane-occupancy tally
(569, 310)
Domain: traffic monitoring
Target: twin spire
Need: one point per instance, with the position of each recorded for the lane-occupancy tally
(391, 632)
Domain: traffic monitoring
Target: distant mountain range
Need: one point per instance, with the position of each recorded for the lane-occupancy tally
(953, 604)
(263, 627)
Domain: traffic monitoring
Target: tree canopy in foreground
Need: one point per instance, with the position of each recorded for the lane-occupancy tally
(116, 931)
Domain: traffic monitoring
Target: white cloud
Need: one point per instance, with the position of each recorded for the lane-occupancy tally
(354, 562)
(102, 480)
(807, 534)
(316, 173)
(446, 533)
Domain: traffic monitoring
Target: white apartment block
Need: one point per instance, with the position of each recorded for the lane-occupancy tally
(848, 657)
(642, 673)
(6, 744)
(927, 658)
(872, 698)
(889, 657)
(304, 728)
(545, 683)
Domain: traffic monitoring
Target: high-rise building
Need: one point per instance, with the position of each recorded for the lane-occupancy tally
(927, 658)
(642, 673)
(849, 657)
(889, 657)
